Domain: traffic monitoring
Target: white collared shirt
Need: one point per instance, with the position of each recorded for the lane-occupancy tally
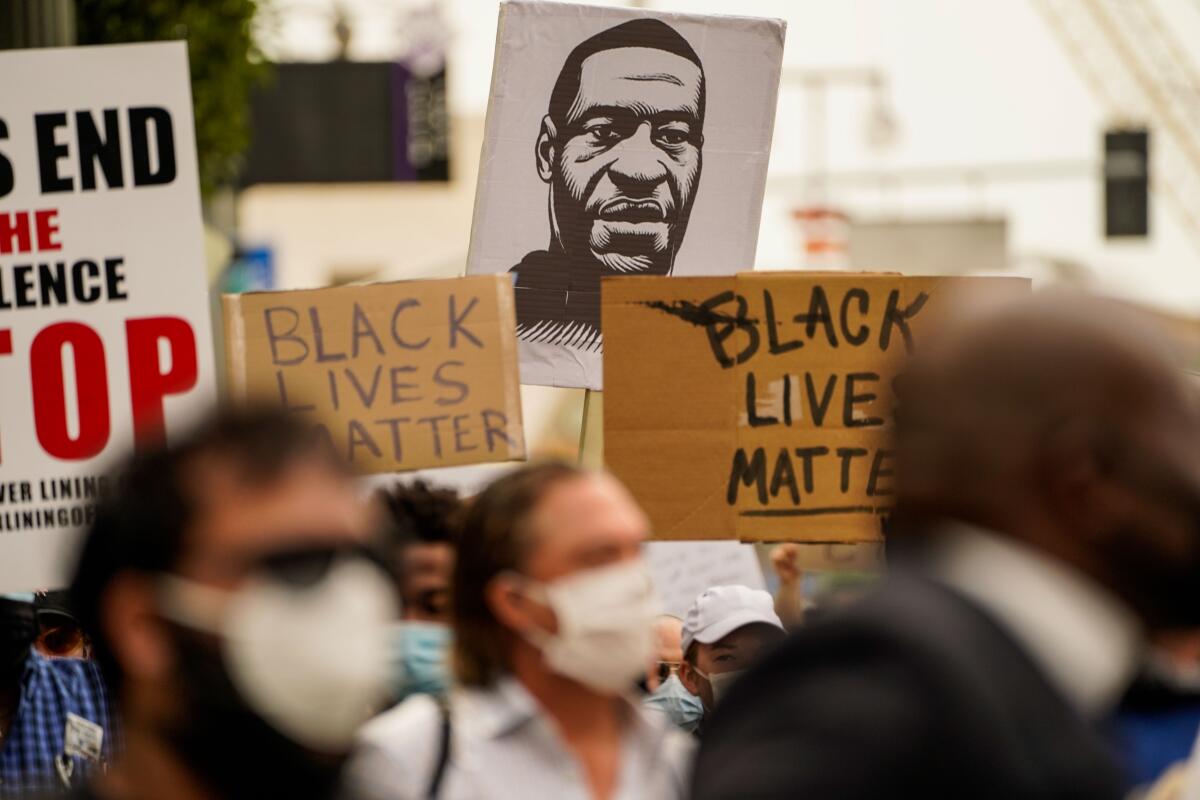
(505, 747)
(1085, 640)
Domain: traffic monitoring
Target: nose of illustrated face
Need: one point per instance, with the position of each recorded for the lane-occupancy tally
(638, 162)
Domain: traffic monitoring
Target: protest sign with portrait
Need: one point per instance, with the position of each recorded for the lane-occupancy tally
(618, 142)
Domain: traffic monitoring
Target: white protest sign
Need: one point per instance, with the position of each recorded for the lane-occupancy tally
(682, 570)
(618, 142)
(105, 340)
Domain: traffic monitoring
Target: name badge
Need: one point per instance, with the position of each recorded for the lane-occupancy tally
(83, 738)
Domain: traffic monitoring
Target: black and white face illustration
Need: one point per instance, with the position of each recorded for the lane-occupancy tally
(621, 152)
(619, 149)
(619, 144)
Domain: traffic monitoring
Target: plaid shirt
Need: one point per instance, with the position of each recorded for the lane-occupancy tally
(50, 688)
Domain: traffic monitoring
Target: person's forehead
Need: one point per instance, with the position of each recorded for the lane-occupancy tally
(306, 504)
(429, 558)
(587, 509)
(669, 646)
(654, 80)
(669, 630)
(745, 636)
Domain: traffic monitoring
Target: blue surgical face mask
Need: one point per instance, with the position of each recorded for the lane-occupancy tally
(682, 707)
(421, 659)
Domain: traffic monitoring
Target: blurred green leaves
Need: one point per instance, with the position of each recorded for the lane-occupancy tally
(225, 65)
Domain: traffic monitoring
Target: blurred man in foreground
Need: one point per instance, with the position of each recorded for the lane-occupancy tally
(552, 616)
(1049, 506)
(55, 720)
(422, 520)
(239, 612)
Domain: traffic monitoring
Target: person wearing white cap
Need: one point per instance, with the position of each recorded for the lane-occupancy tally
(724, 633)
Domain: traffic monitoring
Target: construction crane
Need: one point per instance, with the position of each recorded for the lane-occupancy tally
(1135, 65)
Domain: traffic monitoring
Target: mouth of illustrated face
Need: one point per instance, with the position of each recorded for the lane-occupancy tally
(623, 209)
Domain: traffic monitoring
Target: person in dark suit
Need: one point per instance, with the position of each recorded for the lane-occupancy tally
(1048, 514)
(620, 150)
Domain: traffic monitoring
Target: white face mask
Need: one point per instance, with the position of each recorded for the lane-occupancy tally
(721, 681)
(311, 660)
(605, 620)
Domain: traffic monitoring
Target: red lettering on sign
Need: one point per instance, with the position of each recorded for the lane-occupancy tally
(5, 350)
(46, 223)
(18, 234)
(148, 383)
(14, 233)
(49, 391)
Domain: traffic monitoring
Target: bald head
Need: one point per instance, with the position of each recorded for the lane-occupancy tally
(983, 398)
(668, 639)
(1060, 420)
(668, 649)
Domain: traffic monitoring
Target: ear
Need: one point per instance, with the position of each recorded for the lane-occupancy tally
(513, 608)
(1070, 469)
(546, 150)
(137, 634)
(689, 678)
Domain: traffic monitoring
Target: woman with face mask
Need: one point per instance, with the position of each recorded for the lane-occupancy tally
(552, 615)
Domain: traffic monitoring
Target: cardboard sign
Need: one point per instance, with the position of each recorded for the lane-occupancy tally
(400, 376)
(618, 142)
(105, 340)
(757, 406)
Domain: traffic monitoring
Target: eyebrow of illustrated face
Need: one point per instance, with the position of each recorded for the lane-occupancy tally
(665, 77)
(635, 110)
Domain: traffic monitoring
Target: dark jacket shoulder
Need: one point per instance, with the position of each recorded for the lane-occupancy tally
(915, 692)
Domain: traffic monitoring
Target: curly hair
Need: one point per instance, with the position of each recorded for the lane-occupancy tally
(421, 514)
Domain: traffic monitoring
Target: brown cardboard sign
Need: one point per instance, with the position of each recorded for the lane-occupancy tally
(401, 376)
(757, 406)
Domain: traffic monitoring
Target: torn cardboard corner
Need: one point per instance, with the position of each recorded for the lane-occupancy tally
(758, 406)
(399, 376)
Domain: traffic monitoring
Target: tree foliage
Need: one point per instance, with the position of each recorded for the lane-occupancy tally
(224, 61)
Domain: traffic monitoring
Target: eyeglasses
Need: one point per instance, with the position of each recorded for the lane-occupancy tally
(431, 602)
(307, 565)
(666, 669)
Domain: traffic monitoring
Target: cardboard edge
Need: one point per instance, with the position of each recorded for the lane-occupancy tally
(552, 8)
(235, 348)
(489, 122)
(507, 312)
(760, 187)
